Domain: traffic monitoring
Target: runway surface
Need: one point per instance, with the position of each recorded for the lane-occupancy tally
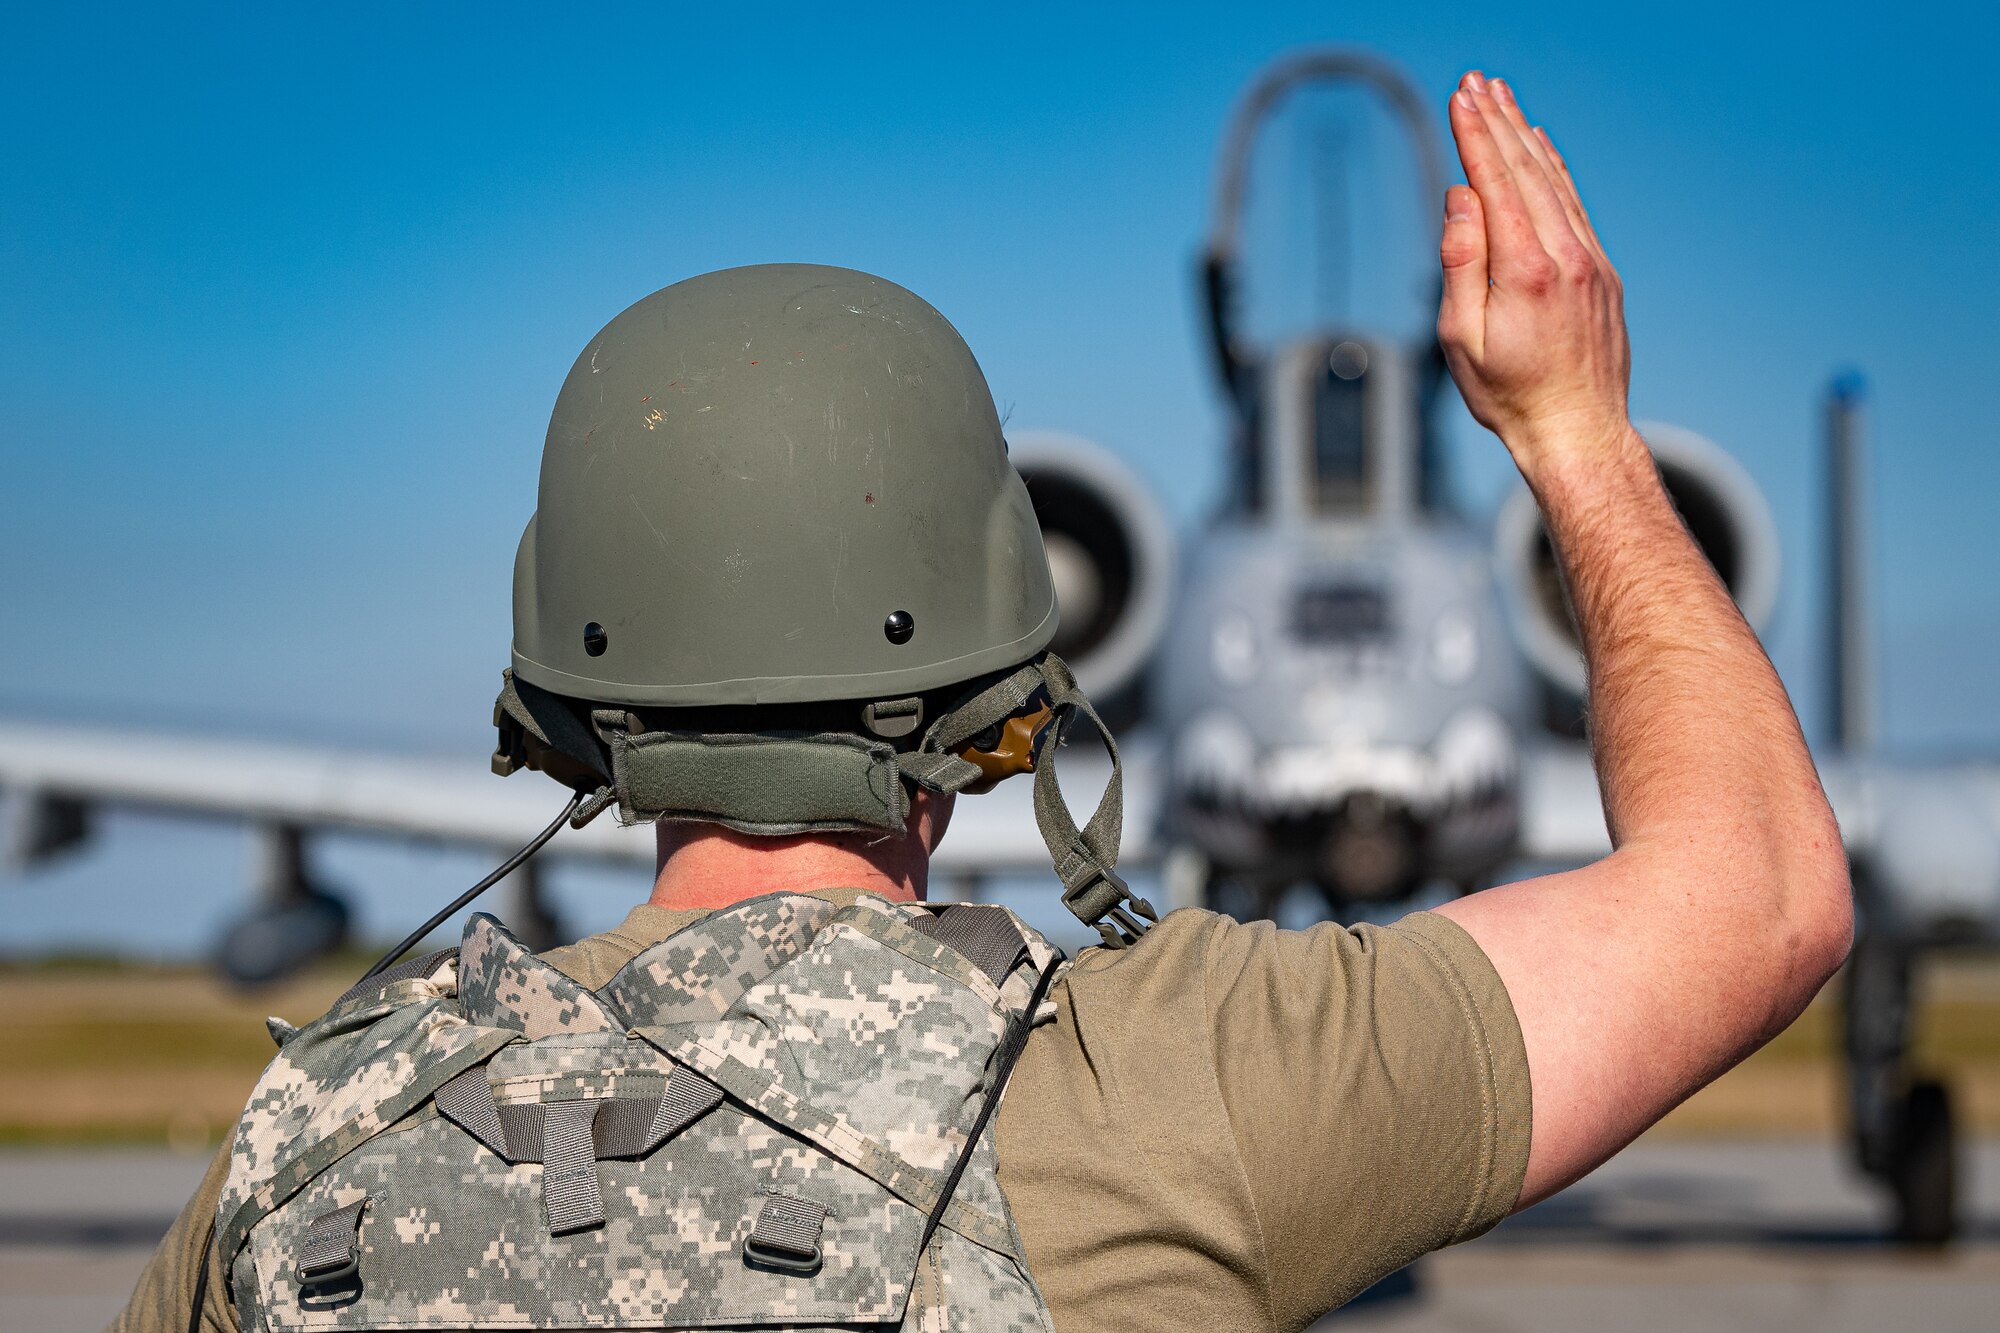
(1712, 1236)
(1766, 1236)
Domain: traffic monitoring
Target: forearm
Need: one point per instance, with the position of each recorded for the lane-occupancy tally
(1700, 760)
(1686, 713)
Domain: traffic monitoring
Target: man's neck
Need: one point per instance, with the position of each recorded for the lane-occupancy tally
(719, 867)
(703, 867)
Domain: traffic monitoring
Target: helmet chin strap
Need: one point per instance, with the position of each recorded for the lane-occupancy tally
(1085, 858)
(787, 783)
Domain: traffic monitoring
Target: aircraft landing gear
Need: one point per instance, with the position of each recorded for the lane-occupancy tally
(1246, 898)
(528, 912)
(1190, 879)
(1903, 1131)
(294, 920)
(1923, 1171)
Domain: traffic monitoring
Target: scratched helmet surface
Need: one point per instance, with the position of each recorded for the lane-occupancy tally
(776, 484)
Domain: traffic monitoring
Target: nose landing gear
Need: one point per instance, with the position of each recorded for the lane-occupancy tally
(1923, 1169)
(1903, 1130)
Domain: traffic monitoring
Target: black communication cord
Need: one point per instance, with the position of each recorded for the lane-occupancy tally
(506, 868)
(201, 1279)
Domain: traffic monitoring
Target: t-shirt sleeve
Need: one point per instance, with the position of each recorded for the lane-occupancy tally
(165, 1291)
(1377, 1088)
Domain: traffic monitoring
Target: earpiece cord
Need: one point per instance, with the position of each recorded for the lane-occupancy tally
(506, 868)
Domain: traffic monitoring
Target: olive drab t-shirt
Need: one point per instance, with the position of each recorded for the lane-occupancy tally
(1226, 1127)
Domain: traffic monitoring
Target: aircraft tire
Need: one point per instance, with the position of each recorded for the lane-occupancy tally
(272, 941)
(1243, 897)
(1924, 1175)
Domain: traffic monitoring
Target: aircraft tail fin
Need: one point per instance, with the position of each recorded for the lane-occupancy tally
(1850, 675)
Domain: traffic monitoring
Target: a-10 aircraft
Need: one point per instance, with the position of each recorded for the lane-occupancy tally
(1339, 683)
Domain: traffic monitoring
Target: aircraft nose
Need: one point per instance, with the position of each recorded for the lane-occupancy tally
(1370, 848)
(1938, 856)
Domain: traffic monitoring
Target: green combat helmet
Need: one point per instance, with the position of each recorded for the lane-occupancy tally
(781, 573)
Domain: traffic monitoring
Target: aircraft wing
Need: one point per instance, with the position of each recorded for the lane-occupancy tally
(64, 773)
(1562, 816)
(1924, 837)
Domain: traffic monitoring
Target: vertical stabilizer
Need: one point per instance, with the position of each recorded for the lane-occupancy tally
(1850, 675)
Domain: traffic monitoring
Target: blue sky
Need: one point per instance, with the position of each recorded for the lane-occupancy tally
(286, 294)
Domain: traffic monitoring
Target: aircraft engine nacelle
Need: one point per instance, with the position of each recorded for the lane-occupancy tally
(1723, 510)
(1111, 552)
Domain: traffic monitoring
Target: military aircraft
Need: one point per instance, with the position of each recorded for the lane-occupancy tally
(1360, 691)
(1339, 684)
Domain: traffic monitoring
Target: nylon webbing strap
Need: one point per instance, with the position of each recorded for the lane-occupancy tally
(766, 784)
(787, 1232)
(331, 1247)
(467, 1101)
(939, 772)
(408, 970)
(524, 1124)
(688, 1098)
(567, 1138)
(1086, 858)
(984, 933)
(569, 1167)
(933, 764)
(624, 1126)
(621, 1126)
(996, 703)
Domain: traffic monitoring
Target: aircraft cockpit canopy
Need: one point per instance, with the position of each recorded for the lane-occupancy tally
(1337, 427)
(1341, 467)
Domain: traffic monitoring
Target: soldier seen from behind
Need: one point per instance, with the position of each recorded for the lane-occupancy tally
(784, 595)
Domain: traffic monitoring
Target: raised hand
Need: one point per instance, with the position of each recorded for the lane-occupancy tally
(1533, 316)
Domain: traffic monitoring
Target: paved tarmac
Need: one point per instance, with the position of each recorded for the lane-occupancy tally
(1765, 1236)
(1712, 1236)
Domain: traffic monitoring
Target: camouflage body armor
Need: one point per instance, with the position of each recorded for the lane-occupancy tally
(779, 1116)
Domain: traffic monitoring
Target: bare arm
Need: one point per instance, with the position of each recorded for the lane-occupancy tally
(1724, 905)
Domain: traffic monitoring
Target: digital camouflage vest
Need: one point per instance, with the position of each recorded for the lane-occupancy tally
(751, 1125)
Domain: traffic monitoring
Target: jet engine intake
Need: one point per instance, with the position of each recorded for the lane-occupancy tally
(1111, 553)
(1724, 512)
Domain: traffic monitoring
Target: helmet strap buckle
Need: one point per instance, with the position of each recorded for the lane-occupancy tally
(891, 718)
